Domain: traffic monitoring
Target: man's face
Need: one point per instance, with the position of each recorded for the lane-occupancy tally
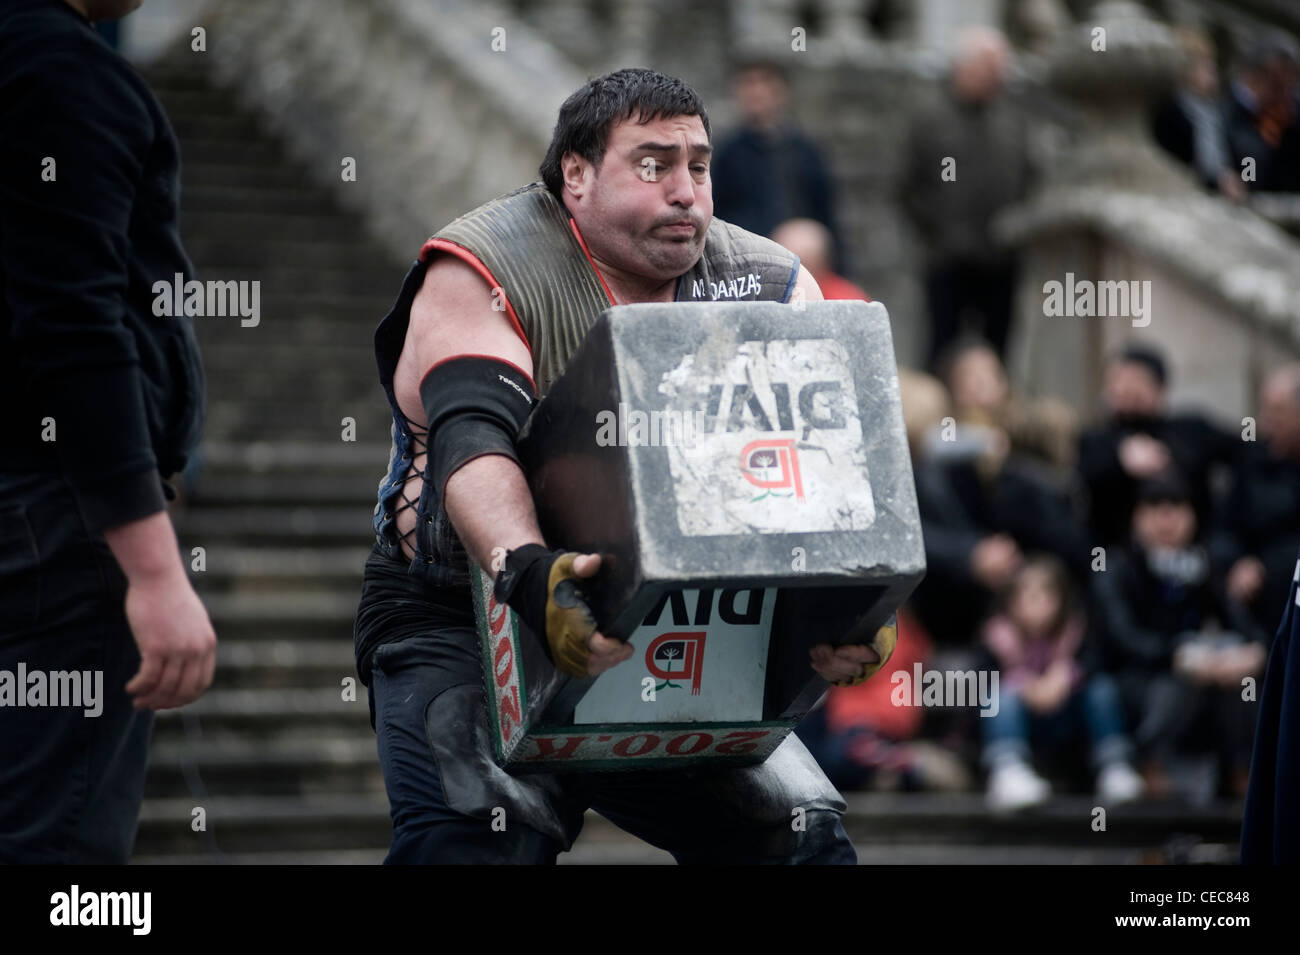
(760, 96)
(1279, 418)
(646, 209)
(1132, 391)
(1165, 524)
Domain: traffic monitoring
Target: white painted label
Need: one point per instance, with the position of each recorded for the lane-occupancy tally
(782, 449)
(707, 653)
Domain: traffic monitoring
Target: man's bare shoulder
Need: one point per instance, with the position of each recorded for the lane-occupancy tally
(451, 285)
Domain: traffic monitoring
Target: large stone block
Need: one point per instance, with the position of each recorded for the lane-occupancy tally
(743, 470)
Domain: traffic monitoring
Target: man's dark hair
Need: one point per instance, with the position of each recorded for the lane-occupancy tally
(588, 115)
(1149, 358)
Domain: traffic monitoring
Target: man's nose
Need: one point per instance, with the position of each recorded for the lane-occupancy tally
(679, 187)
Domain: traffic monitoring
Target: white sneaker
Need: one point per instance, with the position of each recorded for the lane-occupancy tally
(1014, 785)
(1119, 782)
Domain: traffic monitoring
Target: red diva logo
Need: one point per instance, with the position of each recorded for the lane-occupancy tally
(772, 464)
(677, 655)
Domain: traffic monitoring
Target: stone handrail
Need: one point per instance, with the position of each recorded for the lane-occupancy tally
(438, 104)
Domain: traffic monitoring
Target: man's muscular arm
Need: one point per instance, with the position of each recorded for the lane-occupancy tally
(487, 498)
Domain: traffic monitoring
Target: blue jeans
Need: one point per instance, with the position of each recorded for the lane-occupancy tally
(70, 784)
(1094, 710)
(446, 791)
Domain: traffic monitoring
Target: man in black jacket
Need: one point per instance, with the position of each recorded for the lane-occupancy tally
(99, 624)
(1141, 439)
(1259, 525)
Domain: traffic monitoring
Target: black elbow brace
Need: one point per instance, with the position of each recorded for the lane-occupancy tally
(475, 405)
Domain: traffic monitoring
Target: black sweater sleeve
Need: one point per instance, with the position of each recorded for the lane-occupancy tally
(75, 134)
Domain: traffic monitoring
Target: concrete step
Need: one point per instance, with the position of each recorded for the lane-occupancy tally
(280, 568)
(296, 456)
(332, 765)
(307, 488)
(962, 818)
(316, 822)
(234, 152)
(320, 525)
(274, 711)
(276, 608)
(228, 253)
(290, 197)
(199, 172)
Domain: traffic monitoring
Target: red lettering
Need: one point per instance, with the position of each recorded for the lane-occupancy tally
(496, 616)
(678, 746)
(624, 746)
(546, 748)
(738, 744)
(503, 661)
(509, 710)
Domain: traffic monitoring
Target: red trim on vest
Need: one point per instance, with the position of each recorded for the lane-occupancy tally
(587, 252)
(472, 260)
(504, 361)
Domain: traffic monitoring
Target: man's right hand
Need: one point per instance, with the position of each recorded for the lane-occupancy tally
(176, 641)
(171, 628)
(539, 585)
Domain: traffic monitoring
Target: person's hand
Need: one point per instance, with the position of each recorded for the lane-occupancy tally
(1142, 456)
(995, 560)
(843, 663)
(606, 652)
(176, 641)
(1234, 664)
(1231, 186)
(1245, 579)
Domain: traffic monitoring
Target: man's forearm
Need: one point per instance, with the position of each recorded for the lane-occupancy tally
(146, 549)
(490, 506)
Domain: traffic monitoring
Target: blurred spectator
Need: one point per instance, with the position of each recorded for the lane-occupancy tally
(768, 171)
(1179, 646)
(1047, 695)
(1190, 125)
(986, 497)
(811, 241)
(862, 739)
(1263, 115)
(966, 160)
(1140, 439)
(1043, 428)
(1259, 528)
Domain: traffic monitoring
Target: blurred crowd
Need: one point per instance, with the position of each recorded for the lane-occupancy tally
(1124, 574)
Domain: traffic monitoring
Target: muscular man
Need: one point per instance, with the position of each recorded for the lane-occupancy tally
(486, 319)
(101, 398)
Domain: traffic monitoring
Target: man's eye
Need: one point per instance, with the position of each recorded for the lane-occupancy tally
(700, 169)
(649, 169)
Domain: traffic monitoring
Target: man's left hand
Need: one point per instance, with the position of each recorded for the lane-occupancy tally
(854, 663)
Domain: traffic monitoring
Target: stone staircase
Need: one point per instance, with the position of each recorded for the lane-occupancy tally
(282, 765)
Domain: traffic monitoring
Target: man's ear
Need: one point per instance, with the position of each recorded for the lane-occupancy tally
(575, 171)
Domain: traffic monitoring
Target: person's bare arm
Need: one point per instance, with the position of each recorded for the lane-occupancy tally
(487, 498)
(171, 627)
(806, 288)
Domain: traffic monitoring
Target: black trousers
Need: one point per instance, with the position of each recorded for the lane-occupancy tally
(961, 293)
(71, 778)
